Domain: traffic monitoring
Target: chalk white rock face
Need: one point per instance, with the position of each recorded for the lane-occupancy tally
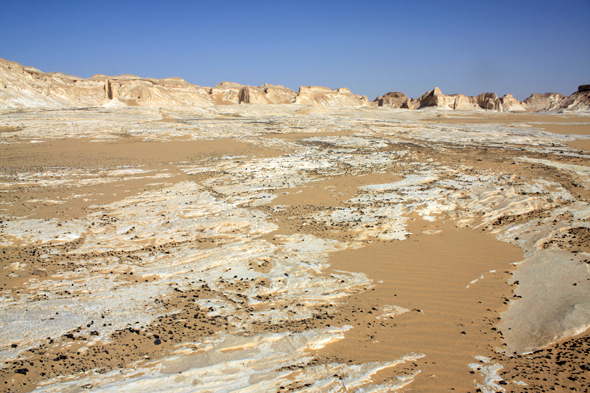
(393, 100)
(149, 92)
(511, 104)
(312, 95)
(464, 102)
(577, 102)
(541, 101)
(489, 101)
(226, 93)
(266, 94)
(27, 87)
(436, 98)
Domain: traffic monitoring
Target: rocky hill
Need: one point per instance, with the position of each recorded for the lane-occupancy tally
(329, 97)
(541, 101)
(579, 101)
(435, 98)
(24, 87)
(28, 87)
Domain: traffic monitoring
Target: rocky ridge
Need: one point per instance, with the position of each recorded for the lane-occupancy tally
(28, 87)
(435, 98)
(580, 100)
(539, 101)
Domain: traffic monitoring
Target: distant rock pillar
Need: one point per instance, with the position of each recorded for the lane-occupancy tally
(108, 90)
(244, 95)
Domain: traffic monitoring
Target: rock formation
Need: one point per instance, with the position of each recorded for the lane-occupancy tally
(436, 98)
(226, 93)
(267, 94)
(464, 102)
(488, 101)
(541, 101)
(393, 100)
(28, 87)
(413, 103)
(509, 103)
(579, 101)
(316, 95)
(22, 87)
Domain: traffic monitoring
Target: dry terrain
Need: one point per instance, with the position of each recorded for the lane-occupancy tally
(294, 247)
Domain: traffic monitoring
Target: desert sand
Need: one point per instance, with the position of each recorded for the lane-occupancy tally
(294, 248)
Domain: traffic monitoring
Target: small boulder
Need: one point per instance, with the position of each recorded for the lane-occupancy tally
(40, 272)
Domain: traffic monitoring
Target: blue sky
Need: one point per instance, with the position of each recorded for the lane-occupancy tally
(371, 47)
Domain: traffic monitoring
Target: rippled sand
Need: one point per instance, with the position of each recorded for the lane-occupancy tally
(273, 248)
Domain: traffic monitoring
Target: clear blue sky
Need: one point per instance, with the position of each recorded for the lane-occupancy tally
(371, 47)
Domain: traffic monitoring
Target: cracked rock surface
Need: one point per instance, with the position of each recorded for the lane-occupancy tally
(293, 248)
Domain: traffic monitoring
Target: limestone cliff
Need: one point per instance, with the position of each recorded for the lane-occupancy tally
(435, 98)
(509, 103)
(28, 87)
(316, 95)
(578, 101)
(226, 93)
(393, 100)
(489, 101)
(541, 101)
(464, 102)
(267, 94)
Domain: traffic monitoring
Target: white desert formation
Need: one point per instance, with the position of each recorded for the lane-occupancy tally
(28, 87)
(437, 99)
(311, 95)
(580, 100)
(158, 236)
(541, 101)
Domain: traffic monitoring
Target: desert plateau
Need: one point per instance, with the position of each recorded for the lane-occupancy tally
(158, 236)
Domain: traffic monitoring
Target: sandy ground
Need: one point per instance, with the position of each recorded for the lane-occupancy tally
(281, 249)
(428, 276)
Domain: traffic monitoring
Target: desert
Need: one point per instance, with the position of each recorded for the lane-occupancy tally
(160, 236)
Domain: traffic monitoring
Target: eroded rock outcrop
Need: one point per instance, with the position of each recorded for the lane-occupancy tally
(316, 95)
(226, 93)
(541, 101)
(28, 87)
(435, 98)
(511, 104)
(464, 102)
(266, 94)
(22, 87)
(488, 101)
(393, 100)
(579, 101)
